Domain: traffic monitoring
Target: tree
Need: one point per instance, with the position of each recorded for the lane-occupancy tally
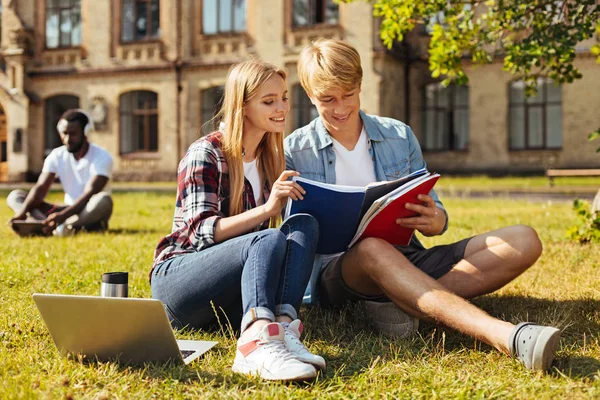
(535, 37)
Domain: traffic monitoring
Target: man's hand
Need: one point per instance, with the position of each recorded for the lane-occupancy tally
(430, 221)
(53, 221)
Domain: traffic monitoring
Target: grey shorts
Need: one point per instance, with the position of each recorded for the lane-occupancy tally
(435, 262)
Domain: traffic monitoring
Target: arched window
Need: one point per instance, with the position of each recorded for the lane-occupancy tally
(212, 99)
(63, 23)
(445, 118)
(304, 110)
(535, 122)
(140, 20)
(54, 107)
(138, 127)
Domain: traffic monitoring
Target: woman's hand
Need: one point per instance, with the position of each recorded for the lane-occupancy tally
(281, 190)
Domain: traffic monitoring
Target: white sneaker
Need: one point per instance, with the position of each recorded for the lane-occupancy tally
(389, 320)
(64, 231)
(293, 330)
(267, 356)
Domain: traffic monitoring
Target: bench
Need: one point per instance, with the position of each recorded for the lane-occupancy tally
(553, 173)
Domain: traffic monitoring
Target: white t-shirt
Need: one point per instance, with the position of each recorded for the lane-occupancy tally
(354, 167)
(251, 173)
(74, 175)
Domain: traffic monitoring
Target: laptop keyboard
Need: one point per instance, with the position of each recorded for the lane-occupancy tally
(186, 353)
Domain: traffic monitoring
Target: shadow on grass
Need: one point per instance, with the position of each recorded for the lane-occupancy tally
(133, 231)
(358, 346)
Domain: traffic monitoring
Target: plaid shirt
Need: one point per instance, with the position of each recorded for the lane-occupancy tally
(202, 198)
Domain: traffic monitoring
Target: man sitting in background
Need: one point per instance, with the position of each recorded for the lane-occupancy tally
(84, 170)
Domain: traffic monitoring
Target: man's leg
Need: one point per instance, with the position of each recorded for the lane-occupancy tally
(16, 199)
(492, 260)
(374, 268)
(98, 209)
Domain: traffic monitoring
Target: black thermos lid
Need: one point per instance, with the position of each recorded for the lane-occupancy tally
(115, 277)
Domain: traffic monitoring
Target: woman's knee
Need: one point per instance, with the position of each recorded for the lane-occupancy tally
(272, 238)
(302, 222)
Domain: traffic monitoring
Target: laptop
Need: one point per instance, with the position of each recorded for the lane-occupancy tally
(127, 330)
(28, 228)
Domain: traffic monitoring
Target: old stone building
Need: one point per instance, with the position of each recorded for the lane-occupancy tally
(150, 73)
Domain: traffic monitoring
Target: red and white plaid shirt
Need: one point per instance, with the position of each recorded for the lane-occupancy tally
(202, 198)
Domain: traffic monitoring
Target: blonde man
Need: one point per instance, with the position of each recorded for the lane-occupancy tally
(348, 147)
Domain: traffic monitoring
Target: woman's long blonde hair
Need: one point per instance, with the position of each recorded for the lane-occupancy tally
(243, 81)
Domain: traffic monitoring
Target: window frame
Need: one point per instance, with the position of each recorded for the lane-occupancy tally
(219, 32)
(312, 5)
(59, 8)
(301, 107)
(204, 110)
(52, 125)
(149, 37)
(143, 112)
(450, 110)
(543, 105)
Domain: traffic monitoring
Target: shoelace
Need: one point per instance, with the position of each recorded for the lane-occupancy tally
(278, 348)
(296, 341)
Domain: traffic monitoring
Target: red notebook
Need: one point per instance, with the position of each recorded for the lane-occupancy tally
(380, 222)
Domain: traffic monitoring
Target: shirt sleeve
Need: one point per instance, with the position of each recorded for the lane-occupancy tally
(51, 163)
(103, 166)
(418, 162)
(198, 195)
(289, 162)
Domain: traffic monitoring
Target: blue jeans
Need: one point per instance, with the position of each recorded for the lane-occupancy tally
(259, 275)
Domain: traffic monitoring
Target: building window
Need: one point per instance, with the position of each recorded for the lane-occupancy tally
(535, 122)
(304, 110)
(141, 20)
(313, 12)
(212, 99)
(138, 112)
(445, 117)
(223, 16)
(54, 107)
(63, 23)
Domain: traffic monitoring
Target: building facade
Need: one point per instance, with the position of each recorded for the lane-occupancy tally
(150, 72)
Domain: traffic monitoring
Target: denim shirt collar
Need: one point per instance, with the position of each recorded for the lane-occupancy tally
(323, 138)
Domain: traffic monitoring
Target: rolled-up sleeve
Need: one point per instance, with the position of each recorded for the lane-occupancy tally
(418, 162)
(198, 195)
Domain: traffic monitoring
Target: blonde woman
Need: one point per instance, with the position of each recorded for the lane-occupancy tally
(221, 256)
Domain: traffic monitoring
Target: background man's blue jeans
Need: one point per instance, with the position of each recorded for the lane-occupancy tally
(258, 275)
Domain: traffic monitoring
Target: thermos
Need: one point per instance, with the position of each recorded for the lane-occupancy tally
(114, 284)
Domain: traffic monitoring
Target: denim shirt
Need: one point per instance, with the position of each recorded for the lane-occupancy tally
(393, 147)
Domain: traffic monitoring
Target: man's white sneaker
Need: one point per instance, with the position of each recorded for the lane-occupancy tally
(389, 320)
(267, 356)
(293, 330)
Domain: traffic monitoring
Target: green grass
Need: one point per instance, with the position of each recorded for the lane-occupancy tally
(447, 184)
(563, 289)
(532, 184)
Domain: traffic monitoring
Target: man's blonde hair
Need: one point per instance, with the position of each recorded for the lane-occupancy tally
(329, 63)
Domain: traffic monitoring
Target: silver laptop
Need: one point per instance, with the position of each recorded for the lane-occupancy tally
(127, 330)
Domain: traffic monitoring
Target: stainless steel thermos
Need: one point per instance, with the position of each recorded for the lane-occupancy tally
(114, 284)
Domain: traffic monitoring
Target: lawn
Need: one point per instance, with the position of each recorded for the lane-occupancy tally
(562, 289)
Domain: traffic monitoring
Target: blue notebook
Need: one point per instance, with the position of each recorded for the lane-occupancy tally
(339, 209)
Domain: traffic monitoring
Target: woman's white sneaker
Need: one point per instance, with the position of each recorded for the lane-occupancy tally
(293, 330)
(267, 356)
